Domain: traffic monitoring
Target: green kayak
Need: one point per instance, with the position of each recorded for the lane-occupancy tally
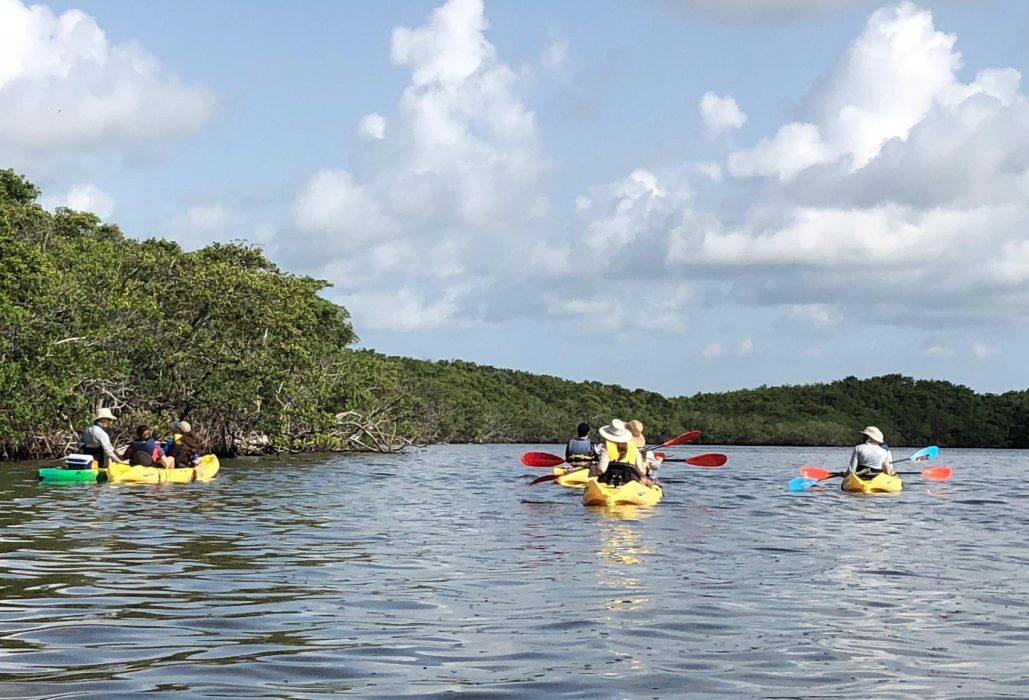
(62, 475)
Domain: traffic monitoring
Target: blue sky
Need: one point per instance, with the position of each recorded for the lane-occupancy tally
(678, 195)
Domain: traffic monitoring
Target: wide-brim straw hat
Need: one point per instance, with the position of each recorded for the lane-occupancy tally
(874, 433)
(636, 428)
(104, 413)
(616, 431)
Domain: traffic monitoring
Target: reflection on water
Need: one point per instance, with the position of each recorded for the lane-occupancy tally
(387, 576)
(622, 548)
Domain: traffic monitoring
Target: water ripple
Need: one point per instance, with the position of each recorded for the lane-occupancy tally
(386, 576)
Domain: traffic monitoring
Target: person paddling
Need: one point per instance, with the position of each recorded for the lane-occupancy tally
(95, 441)
(620, 461)
(580, 450)
(870, 457)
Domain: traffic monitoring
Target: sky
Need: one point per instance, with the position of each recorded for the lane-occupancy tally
(674, 195)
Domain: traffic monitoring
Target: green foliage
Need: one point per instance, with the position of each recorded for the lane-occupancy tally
(462, 402)
(91, 318)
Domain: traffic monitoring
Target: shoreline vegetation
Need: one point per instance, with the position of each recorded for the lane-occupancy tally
(259, 363)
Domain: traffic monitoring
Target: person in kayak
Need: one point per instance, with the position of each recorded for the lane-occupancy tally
(870, 457)
(580, 450)
(95, 441)
(185, 449)
(620, 461)
(146, 451)
(636, 428)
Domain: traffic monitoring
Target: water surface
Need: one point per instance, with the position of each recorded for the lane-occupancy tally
(440, 572)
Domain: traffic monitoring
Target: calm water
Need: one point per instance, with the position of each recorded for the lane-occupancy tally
(439, 572)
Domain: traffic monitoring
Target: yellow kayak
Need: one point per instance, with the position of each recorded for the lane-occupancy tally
(126, 474)
(880, 483)
(572, 476)
(633, 493)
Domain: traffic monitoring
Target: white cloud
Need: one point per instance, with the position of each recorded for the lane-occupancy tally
(818, 315)
(202, 224)
(889, 80)
(900, 196)
(712, 171)
(555, 56)
(207, 217)
(64, 88)
(720, 114)
(756, 11)
(372, 125)
(942, 351)
(450, 186)
(796, 147)
(712, 351)
(902, 200)
(982, 351)
(83, 197)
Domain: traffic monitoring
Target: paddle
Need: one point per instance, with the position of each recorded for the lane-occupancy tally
(813, 475)
(685, 437)
(934, 473)
(926, 454)
(706, 460)
(541, 459)
(546, 459)
(711, 459)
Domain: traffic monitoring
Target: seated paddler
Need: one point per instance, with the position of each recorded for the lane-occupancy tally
(620, 460)
(870, 457)
(580, 450)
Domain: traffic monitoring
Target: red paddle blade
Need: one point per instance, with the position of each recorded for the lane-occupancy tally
(541, 459)
(708, 460)
(685, 437)
(541, 479)
(815, 472)
(937, 473)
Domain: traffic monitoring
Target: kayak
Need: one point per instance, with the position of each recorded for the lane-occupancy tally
(63, 475)
(126, 474)
(632, 492)
(880, 483)
(572, 476)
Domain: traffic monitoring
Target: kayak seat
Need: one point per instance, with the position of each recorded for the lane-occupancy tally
(618, 473)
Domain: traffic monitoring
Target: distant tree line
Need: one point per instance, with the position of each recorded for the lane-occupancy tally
(462, 402)
(258, 361)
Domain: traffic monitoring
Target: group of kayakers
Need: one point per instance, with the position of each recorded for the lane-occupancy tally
(618, 457)
(181, 449)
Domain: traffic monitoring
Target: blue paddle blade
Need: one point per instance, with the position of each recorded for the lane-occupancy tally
(926, 454)
(801, 483)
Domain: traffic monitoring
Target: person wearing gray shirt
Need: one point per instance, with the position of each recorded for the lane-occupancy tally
(870, 456)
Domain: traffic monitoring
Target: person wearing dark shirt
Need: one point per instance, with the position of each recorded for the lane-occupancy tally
(580, 450)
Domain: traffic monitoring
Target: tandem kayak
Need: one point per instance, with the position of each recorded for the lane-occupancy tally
(126, 474)
(880, 483)
(572, 476)
(633, 493)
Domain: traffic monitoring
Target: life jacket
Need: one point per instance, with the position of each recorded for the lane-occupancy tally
(631, 452)
(144, 452)
(579, 450)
